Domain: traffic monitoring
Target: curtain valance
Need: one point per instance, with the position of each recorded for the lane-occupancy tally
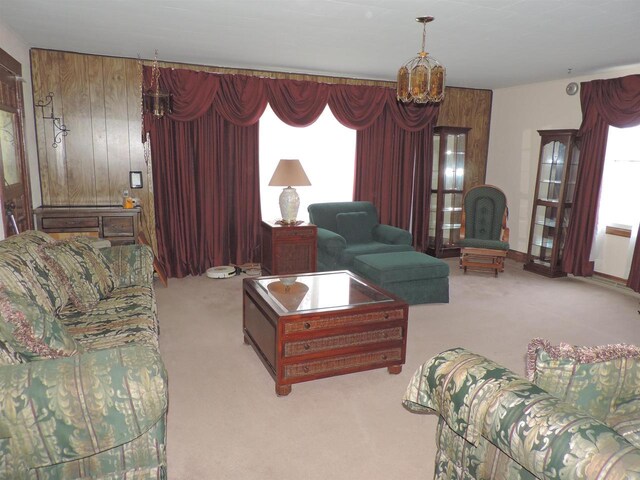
(241, 100)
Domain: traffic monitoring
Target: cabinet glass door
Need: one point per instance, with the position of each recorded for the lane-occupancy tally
(551, 171)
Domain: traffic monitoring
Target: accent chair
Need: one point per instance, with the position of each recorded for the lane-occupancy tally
(350, 229)
(484, 235)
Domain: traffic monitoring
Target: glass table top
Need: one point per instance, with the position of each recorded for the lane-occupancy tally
(304, 293)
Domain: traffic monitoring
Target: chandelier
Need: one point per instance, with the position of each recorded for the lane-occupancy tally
(156, 101)
(421, 79)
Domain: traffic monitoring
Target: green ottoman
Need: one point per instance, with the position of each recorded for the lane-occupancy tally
(412, 276)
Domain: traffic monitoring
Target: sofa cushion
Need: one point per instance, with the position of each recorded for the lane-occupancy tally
(355, 227)
(56, 292)
(18, 276)
(81, 268)
(28, 332)
(127, 316)
(601, 380)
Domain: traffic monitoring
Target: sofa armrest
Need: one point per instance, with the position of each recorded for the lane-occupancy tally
(331, 242)
(391, 235)
(68, 408)
(552, 439)
(130, 264)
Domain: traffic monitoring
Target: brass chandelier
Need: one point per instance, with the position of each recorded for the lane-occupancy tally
(156, 101)
(421, 79)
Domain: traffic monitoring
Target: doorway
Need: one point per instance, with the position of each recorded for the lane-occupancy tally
(15, 192)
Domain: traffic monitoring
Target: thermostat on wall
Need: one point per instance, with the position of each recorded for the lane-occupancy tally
(225, 271)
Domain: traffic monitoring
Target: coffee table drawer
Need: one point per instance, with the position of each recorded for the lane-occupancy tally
(341, 341)
(341, 321)
(332, 365)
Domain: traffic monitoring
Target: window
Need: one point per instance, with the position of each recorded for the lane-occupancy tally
(620, 195)
(618, 212)
(327, 151)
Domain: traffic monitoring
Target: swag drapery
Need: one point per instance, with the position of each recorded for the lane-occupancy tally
(614, 102)
(205, 159)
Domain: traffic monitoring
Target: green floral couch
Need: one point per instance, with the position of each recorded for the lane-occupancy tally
(578, 417)
(83, 390)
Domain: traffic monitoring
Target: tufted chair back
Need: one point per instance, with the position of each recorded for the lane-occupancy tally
(485, 207)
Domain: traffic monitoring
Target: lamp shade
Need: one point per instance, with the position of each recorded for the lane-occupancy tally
(289, 173)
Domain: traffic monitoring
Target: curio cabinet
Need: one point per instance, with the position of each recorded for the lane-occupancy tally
(553, 201)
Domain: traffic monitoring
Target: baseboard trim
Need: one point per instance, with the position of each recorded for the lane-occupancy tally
(611, 278)
(517, 256)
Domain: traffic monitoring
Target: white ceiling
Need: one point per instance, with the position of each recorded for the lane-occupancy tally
(483, 43)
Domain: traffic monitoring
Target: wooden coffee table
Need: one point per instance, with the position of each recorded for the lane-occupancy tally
(319, 325)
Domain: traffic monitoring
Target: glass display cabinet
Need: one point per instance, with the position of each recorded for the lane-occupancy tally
(555, 189)
(447, 191)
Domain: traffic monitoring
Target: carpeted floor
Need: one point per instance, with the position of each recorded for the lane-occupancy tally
(225, 421)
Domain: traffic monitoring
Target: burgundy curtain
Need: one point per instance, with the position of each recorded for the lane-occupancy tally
(205, 154)
(393, 165)
(613, 102)
(205, 171)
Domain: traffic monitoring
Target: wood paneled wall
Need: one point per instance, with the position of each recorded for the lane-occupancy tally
(98, 99)
(467, 107)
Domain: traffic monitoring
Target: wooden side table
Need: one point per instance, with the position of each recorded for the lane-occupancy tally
(288, 249)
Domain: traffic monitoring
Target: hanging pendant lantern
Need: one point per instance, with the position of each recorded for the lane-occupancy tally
(155, 101)
(421, 79)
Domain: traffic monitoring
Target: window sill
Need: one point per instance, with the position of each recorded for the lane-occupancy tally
(618, 232)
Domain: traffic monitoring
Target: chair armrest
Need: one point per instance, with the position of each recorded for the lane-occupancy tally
(505, 234)
(331, 242)
(130, 264)
(550, 438)
(71, 407)
(391, 235)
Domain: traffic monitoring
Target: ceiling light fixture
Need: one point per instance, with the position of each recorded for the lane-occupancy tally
(155, 101)
(421, 79)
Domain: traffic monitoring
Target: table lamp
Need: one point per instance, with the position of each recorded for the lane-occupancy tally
(289, 173)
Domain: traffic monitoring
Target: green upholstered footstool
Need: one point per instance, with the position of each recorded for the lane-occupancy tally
(412, 276)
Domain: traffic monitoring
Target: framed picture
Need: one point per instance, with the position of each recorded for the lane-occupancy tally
(135, 179)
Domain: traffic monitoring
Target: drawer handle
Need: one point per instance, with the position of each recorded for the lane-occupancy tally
(386, 315)
(384, 357)
(385, 335)
(306, 369)
(307, 325)
(307, 346)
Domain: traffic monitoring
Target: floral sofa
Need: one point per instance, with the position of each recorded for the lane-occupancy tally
(83, 390)
(578, 417)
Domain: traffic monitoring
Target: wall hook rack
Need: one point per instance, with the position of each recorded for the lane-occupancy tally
(59, 128)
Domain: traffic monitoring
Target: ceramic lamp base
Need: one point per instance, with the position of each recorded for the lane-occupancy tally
(289, 204)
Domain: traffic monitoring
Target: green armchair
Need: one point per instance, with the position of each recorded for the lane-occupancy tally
(349, 229)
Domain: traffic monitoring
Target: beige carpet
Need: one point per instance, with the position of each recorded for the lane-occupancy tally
(225, 421)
